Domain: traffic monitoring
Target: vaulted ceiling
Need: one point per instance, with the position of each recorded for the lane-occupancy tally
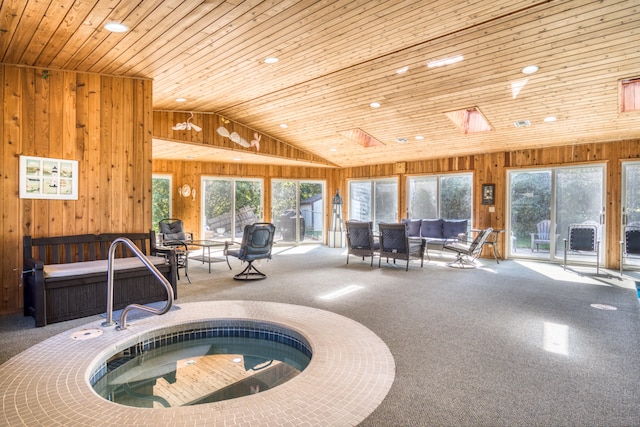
(336, 57)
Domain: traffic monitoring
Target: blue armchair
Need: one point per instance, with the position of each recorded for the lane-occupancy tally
(395, 243)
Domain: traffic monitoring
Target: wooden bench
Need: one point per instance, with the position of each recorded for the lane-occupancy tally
(66, 277)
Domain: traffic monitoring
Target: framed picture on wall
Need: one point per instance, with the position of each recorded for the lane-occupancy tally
(488, 194)
(45, 178)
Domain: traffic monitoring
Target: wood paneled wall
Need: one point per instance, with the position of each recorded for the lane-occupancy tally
(489, 168)
(189, 172)
(104, 123)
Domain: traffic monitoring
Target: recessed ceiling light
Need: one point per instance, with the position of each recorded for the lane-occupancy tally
(530, 69)
(402, 140)
(333, 149)
(116, 27)
(402, 70)
(271, 60)
(237, 159)
(284, 125)
(189, 157)
(550, 119)
(374, 105)
(419, 137)
(445, 61)
(181, 99)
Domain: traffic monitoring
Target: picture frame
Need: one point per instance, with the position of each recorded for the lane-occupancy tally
(488, 194)
(47, 178)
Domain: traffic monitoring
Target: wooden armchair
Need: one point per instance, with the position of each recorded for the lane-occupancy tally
(542, 235)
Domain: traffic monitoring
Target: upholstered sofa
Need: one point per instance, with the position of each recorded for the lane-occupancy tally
(436, 231)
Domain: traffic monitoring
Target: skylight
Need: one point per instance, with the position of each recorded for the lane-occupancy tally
(630, 95)
(469, 120)
(361, 137)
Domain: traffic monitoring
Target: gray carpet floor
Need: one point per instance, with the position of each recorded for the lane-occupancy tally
(514, 344)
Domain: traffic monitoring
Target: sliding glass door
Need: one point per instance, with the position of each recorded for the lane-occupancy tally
(579, 199)
(544, 202)
(228, 204)
(298, 210)
(630, 204)
(374, 200)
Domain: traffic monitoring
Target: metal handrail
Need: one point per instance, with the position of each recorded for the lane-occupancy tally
(127, 309)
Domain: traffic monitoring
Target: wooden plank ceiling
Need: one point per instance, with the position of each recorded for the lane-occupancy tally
(338, 56)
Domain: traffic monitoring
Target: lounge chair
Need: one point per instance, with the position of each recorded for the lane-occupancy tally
(583, 238)
(631, 243)
(468, 251)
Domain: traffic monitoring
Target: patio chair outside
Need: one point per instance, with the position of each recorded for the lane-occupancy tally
(396, 244)
(360, 240)
(542, 235)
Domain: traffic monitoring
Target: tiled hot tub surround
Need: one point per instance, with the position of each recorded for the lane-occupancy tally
(349, 375)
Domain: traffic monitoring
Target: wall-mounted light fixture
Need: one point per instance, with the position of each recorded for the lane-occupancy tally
(186, 191)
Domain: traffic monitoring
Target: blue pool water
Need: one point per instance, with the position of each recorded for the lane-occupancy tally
(230, 364)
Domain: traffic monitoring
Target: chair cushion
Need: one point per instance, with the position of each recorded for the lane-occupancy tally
(175, 236)
(451, 228)
(172, 230)
(582, 239)
(431, 228)
(633, 241)
(413, 227)
(99, 266)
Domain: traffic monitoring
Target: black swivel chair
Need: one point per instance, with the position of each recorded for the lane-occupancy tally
(257, 242)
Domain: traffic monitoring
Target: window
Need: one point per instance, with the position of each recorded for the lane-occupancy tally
(228, 205)
(161, 199)
(374, 200)
(440, 196)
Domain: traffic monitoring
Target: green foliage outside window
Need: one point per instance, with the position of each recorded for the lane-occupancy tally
(455, 197)
(161, 201)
